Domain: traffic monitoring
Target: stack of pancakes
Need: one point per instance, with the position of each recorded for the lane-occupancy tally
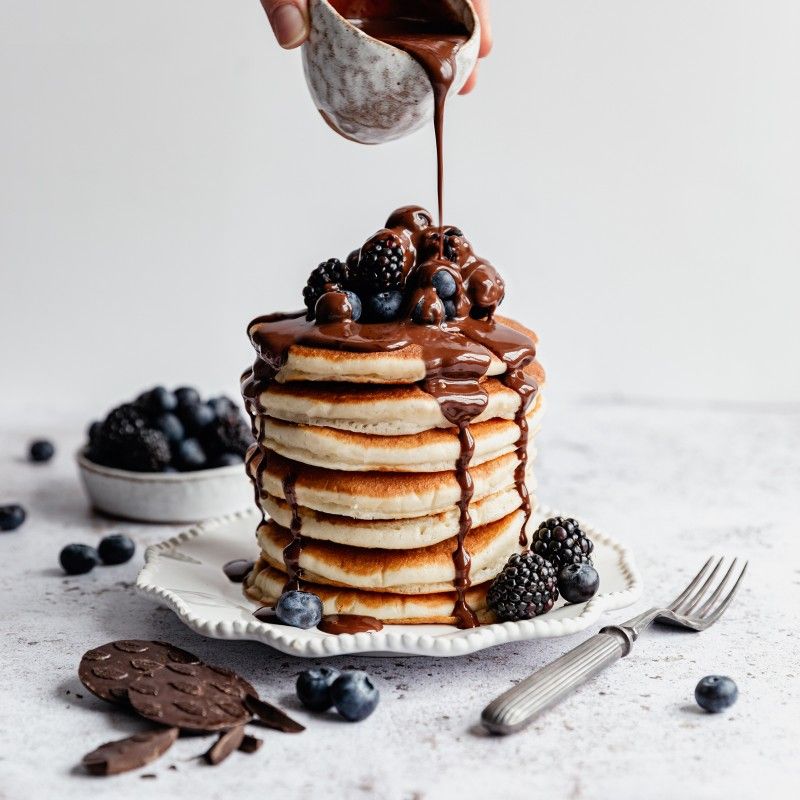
(361, 453)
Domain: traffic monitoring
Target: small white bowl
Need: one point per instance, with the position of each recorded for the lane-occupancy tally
(166, 496)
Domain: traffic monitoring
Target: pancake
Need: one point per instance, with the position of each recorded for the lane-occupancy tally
(424, 570)
(376, 409)
(395, 534)
(265, 585)
(380, 495)
(435, 450)
(405, 365)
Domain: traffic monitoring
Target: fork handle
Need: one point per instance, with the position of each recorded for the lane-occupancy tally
(515, 708)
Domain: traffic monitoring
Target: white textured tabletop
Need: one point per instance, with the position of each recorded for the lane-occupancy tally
(674, 483)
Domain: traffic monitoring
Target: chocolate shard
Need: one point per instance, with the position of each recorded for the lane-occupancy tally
(227, 742)
(112, 758)
(250, 744)
(271, 717)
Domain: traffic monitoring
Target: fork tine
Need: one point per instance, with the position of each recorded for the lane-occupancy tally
(720, 610)
(704, 609)
(686, 607)
(687, 591)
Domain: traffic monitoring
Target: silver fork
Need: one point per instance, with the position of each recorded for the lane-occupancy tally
(518, 706)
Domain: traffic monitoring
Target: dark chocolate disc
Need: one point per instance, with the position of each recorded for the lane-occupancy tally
(210, 699)
(107, 671)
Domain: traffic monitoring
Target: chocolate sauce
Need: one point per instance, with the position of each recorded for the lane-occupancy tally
(237, 570)
(292, 551)
(432, 36)
(349, 623)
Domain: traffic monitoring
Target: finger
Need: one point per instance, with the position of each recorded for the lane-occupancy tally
(471, 81)
(289, 21)
(482, 9)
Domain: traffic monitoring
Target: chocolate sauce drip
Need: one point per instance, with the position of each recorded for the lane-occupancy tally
(432, 37)
(292, 551)
(465, 616)
(349, 623)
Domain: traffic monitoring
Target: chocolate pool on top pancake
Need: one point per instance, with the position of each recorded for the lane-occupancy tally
(378, 495)
(433, 450)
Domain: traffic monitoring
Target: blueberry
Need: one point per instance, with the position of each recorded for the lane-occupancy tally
(314, 688)
(355, 304)
(41, 450)
(76, 559)
(187, 396)
(11, 517)
(578, 583)
(445, 284)
(431, 313)
(189, 455)
(450, 309)
(227, 460)
(715, 693)
(299, 609)
(197, 417)
(383, 307)
(94, 431)
(158, 400)
(221, 406)
(170, 426)
(116, 549)
(354, 695)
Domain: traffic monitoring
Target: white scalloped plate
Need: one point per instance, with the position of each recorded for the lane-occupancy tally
(185, 574)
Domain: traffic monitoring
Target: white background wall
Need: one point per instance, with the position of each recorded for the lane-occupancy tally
(632, 167)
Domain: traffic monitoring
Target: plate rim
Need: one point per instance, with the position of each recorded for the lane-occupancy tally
(393, 639)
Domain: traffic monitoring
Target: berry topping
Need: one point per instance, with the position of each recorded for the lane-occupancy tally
(354, 695)
(445, 284)
(197, 417)
(383, 307)
(561, 541)
(455, 249)
(336, 306)
(715, 693)
(524, 589)
(116, 549)
(187, 396)
(170, 426)
(41, 450)
(299, 609)
(314, 688)
(330, 274)
(578, 583)
(429, 309)
(11, 517)
(380, 265)
(410, 218)
(228, 434)
(78, 559)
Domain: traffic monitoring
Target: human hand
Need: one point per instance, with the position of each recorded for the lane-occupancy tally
(289, 21)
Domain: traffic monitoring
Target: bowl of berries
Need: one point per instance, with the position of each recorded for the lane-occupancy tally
(168, 456)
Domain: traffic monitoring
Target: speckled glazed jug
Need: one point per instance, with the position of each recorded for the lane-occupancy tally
(370, 91)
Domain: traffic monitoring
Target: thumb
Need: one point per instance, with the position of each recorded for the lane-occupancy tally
(289, 21)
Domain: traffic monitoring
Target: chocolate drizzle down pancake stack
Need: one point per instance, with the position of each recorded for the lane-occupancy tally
(394, 423)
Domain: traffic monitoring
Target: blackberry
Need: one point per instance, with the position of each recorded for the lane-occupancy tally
(380, 265)
(227, 434)
(144, 450)
(450, 248)
(106, 442)
(524, 589)
(330, 274)
(561, 541)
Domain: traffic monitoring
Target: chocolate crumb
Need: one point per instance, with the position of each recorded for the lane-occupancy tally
(227, 742)
(112, 758)
(250, 744)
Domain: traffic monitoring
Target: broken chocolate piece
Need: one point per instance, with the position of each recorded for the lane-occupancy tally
(107, 671)
(250, 743)
(195, 697)
(123, 755)
(227, 742)
(271, 717)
